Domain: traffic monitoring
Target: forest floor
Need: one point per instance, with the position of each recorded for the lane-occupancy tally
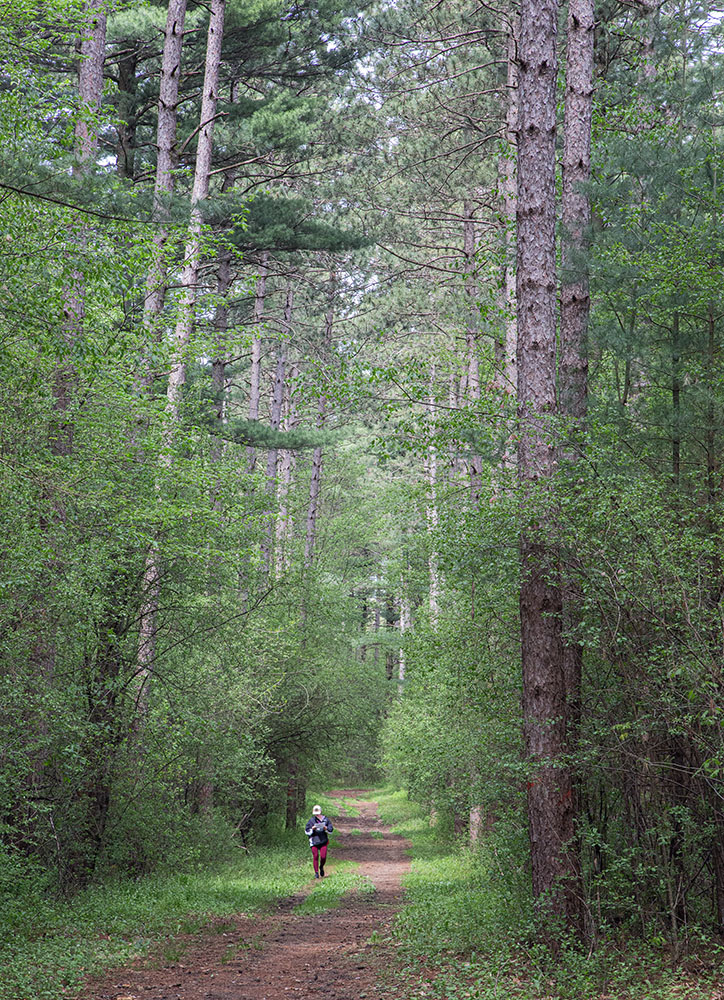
(292, 951)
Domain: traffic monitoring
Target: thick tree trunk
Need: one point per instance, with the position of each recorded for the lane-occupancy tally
(126, 130)
(575, 308)
(576, 215)
(90, 79)
(550, 794)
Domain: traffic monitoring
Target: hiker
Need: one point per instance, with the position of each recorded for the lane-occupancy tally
(317, 829)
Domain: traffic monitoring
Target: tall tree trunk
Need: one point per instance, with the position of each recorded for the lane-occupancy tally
(575, 308)
(675, 401)
(276, 420)
(126, 130)
(200, 191)
(90, 79)
(432, 514)
(91, 51)
(156, 283)
(506, 351)
(224, 282)
(315, 484)
(549, 794)
(471, 379)
(405, 626)
(164, 183)
(287, 465)
(390, 618)
(576, 215)
(255, 373)
(189, 281)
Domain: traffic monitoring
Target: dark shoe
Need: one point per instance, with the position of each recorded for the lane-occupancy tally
(316, 875)
(321, 872)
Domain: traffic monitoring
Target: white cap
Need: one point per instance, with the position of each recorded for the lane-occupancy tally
(317, 811)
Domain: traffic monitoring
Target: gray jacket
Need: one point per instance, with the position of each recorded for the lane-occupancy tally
(317, 829)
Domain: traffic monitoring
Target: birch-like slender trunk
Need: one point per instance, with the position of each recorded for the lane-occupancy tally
(549, 786)
(405, 627)
(189, 277)
(431, 511)
(153, 307)
(200, 191)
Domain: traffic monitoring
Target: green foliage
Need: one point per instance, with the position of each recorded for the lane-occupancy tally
(47, 947)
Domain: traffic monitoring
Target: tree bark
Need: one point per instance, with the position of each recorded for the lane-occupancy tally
(405, 626)
(255, 373)
(164, 182)
(549, 792)
(576, 215)
(432, 514)
(168, 101)
(315, 484)
(90, 79)
(200, 191)
(507, 377)
(91, 50)
(276, 419)
(471, 380)
(575, 309)
(287, 465)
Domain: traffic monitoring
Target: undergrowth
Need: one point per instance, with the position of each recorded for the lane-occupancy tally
(465, 931)
(49, 946)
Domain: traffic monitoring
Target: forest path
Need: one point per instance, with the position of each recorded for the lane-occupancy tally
(289, 954)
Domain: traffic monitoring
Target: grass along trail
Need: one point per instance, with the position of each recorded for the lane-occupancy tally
(302, 947)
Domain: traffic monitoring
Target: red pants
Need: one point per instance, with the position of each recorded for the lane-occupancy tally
(319, 856)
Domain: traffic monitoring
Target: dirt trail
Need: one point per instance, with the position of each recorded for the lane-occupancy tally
(297, 956)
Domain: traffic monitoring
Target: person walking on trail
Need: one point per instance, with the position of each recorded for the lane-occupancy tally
(318, 829)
